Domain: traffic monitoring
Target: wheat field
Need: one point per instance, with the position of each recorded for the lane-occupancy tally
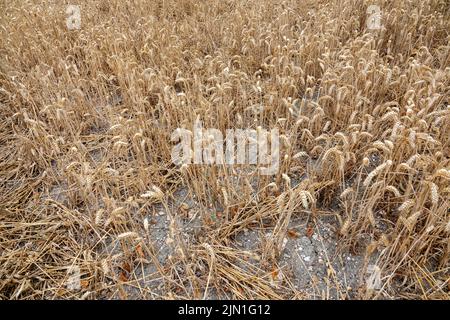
(88, 187)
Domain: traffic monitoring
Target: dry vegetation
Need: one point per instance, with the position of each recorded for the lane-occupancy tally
(86, 119)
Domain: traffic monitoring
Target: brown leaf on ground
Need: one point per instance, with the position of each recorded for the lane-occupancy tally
(292, 233)
(309, 231)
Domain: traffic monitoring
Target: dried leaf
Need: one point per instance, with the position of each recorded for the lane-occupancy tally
(123, 277)
(139, 251)
(84, 283)
(292, 233)
(309, 231)
(275, 273)
(126, 266)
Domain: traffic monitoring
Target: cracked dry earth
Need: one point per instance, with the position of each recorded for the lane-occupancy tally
(312, 260)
